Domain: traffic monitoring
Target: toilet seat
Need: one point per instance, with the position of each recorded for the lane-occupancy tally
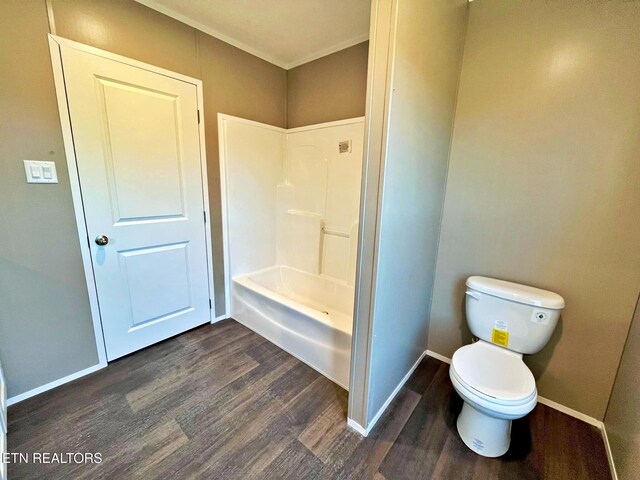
(494, 374)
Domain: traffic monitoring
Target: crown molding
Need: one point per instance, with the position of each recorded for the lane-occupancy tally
(154, 5)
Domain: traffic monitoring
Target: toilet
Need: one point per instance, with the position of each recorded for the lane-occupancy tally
(509, 320)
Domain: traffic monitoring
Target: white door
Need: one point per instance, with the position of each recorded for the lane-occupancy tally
(137, 146)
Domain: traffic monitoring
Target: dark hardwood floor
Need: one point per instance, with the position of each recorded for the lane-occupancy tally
(220, 402)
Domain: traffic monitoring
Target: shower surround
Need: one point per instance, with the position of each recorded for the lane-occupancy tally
(290, 216)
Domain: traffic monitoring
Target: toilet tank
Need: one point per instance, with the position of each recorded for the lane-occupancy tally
(513, 316)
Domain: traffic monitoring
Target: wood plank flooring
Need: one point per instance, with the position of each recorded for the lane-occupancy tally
(221, 402)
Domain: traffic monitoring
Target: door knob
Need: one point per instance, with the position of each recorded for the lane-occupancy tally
(102, 240)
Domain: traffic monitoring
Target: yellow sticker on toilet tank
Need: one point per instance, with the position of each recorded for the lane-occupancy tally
(500, 337)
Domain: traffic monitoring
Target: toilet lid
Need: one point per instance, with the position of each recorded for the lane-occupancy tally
(493, 371)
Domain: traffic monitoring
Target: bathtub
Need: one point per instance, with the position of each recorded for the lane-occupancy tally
(309, 316)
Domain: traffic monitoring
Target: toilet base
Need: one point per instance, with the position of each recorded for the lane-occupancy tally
(485, 435)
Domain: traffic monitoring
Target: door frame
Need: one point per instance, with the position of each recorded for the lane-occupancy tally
(55, 43)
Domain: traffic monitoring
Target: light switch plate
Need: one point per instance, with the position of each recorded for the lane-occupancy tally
(40, 172)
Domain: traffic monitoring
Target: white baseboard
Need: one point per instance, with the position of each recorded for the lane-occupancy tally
(365, 431)
(357, 427)
(570, 411)
(56, 383)
(437, 356)
(607, 446)
(219, 318)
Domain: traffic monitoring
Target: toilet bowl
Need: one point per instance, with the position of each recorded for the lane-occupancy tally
(509, 320)
(497, 387)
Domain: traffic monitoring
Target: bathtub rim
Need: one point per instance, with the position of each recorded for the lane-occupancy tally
(246, 281)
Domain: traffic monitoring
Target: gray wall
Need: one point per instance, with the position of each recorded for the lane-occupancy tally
(45, 323)
(543, 184)
(329, 88)
(428, 44)
(622, 420)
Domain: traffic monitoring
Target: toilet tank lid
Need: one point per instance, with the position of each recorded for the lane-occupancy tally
(516, 292)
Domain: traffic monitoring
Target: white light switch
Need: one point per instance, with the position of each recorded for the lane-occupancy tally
(40, 172)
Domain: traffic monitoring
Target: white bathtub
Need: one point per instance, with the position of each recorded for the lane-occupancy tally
(309, 316)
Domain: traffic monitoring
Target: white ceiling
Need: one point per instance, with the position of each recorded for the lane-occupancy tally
(284, 32)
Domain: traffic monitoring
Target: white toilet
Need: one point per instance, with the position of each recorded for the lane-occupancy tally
(497, 387)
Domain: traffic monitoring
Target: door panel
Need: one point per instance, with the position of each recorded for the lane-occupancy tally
(137, 147)
(142, 136)
(169, 294)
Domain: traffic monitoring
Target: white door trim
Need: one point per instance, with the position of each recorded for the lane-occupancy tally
(55, 43)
